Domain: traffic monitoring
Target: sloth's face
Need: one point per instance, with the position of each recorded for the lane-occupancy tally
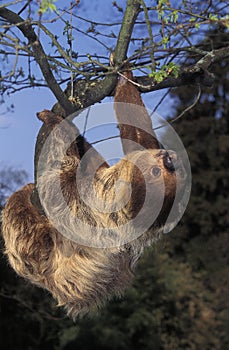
(157, 163)
(154, 167)
(163, 170)
(155, 179)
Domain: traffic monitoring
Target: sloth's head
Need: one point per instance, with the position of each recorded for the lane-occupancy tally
(156, 178)
(142, 188)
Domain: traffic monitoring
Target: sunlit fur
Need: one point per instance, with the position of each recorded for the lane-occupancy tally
(82, 277)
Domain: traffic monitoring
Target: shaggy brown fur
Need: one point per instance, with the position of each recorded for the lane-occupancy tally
(132, 116)
(94, 264)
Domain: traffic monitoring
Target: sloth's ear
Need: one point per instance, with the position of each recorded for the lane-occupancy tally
(134, 122)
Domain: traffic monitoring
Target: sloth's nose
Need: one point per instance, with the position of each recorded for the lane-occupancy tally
(173, 163)
(170, 161)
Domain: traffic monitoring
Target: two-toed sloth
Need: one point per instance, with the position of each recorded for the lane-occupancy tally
(79, 230)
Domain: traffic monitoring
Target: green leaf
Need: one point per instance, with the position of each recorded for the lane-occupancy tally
(213, 17)
(46, 5)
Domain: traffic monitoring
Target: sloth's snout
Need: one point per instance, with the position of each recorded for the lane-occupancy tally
(170, 161)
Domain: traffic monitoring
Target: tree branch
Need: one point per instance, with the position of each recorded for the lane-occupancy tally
(26, 28)
(192, 75)
(186, 77)
(86, 92)
(90, 92)
(131, 13)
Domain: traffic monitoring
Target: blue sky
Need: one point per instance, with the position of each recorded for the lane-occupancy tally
(18, 130)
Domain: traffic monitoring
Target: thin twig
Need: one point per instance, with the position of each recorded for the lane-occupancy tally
(132, 82)
(105, 139)
(161, 100)
(183, 112)
(150, 34)
(86, 120)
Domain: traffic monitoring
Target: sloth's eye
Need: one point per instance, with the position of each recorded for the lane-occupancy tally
(156, 171)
